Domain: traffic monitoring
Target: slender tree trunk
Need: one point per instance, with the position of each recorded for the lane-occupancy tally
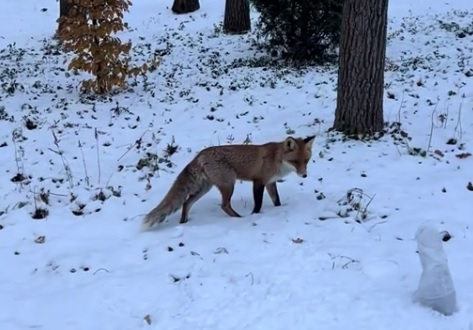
(237, 17)
(185, 6)
(361, 67)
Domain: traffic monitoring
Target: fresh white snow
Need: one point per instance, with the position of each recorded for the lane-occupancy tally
(88, 266)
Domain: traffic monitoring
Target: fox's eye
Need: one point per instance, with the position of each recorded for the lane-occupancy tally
(295, 162)
(306, 161)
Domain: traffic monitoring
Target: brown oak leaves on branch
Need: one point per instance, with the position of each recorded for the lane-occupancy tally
(87, 30)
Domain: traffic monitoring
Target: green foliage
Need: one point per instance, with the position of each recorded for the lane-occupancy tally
(300, 30)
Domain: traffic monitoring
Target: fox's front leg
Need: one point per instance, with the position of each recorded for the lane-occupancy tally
(258, 191)
(273, 193)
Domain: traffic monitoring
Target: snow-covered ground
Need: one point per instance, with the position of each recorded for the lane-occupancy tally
(305, 265)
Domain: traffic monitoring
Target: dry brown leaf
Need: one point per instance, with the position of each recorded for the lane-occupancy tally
(469, 186)
(147, 319)
(439, 153)
(298, 240)
(463, 155)
(40, 239)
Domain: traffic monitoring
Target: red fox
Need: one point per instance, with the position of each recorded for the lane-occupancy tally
(223, 165)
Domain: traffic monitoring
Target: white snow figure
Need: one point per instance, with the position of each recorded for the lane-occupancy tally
(436, 288)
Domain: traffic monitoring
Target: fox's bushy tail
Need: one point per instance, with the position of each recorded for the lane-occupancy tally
(172, 202)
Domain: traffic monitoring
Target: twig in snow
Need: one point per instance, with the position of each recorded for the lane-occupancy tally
(176, 279)
(252, 277)
(109, 179)
(352, 261)
(443, 117)
(101, 269)
(378, 223)
(96, 134)
(369, 202)
(65, 164)
(19, 167)
(39, 213)
(34, 199)
(87, 180)
(400, 108)
(431, 128)
(399, 121)
(19, 154)
(353, 198)
(137, 142)
(50, 193)
(345, 265)
(458, 126)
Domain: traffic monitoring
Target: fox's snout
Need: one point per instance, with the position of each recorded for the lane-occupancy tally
(302, 173)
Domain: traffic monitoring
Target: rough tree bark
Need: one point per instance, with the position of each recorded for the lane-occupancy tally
(64, 7)
(185, 6)
(67, 8)
(361, 67)
(237, 17)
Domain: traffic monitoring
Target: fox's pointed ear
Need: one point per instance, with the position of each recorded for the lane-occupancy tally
(290, 144)
(308, 141)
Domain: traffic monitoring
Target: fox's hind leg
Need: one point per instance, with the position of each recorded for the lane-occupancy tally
(273, 193)
(205, 188)
(225, 182)
(227, 192)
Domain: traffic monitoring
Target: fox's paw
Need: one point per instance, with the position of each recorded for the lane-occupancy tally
(146, 224)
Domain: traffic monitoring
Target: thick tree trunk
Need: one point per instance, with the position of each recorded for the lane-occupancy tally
(237, 17)
(64, 7)
(185, 6)
(67, 8)
(361, 67)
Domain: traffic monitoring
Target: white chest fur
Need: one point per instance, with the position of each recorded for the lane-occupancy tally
(284, 169)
